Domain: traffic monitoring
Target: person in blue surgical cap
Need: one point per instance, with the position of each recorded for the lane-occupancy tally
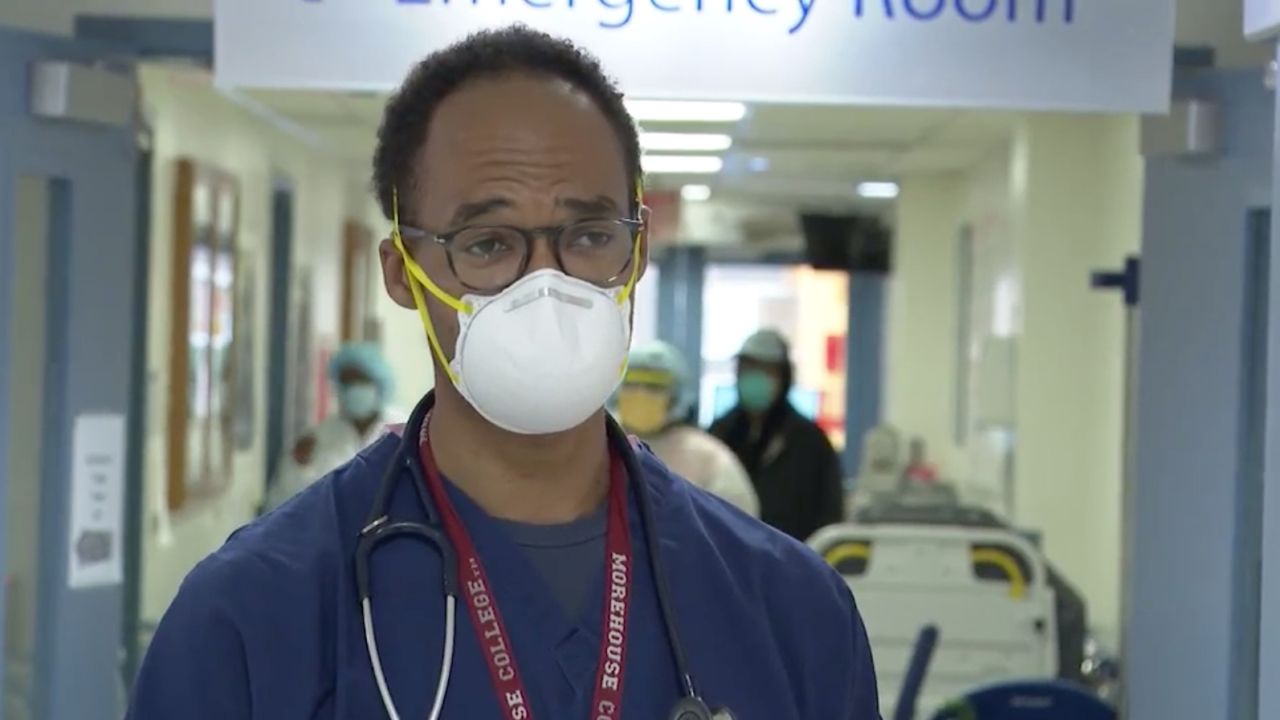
(654, 402)
(510, 553)
(795, 470)
(364, 384)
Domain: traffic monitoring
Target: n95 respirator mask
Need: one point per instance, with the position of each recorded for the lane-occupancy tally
(539, 357)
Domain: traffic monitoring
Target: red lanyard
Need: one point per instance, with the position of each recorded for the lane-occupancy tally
(477, 593)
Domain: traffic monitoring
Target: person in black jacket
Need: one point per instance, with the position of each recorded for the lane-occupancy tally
(795, 470)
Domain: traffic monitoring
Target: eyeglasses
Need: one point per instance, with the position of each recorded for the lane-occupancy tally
(487, 259)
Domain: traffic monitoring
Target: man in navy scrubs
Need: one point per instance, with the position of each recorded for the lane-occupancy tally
(510, 171)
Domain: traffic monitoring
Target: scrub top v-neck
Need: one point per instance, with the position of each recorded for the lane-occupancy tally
(540, 628)
(568, 556)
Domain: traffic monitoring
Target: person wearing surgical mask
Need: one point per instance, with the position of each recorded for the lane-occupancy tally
(509, 553)
(794, 469)
(654, 403)
(363, 384)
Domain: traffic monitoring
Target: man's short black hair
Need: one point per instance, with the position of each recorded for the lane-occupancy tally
(516, 49)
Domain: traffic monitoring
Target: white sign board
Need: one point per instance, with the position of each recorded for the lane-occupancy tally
(1113, 55)
(1261, 18)
(97, 502)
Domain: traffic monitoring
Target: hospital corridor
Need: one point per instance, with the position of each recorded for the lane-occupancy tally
(667, 359)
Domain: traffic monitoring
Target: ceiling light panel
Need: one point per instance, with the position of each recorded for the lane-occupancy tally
(682, 164)
(684, 142)
(686, 111)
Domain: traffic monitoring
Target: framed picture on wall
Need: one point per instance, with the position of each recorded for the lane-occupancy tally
(203, 352)
(357, 280)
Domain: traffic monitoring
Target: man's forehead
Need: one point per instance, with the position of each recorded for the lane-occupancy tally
(496, 140)
(515, 103)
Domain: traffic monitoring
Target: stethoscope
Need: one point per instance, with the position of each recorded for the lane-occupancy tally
(380, 527)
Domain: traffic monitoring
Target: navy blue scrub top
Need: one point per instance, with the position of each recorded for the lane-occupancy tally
(269, 626)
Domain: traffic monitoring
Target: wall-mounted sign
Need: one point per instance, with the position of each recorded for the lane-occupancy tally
(1261, 18)
(97, 502)
(1021, 54)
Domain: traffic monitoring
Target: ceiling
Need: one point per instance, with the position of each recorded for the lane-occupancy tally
(785, 154)
(815, 152)
(784, 157)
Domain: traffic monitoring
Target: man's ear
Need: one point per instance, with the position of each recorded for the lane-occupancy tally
(395, 277)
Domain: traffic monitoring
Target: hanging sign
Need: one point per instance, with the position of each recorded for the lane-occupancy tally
(1261, 19)
(1108, 55)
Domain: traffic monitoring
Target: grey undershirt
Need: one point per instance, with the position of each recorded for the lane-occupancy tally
(568, 556)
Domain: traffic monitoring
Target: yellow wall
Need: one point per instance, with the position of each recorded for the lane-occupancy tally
(1081, 212)
(191, 119)
(920, 373)
(1062, 201)
(404, 340)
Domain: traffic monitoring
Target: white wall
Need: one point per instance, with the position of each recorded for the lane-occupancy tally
(921, 372)
(1081, 211)
(1062, 201)
(993, 315)
(190, 119)
(925, 379)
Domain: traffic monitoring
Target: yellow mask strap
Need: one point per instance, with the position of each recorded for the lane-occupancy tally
(627, 289)
(417, 280)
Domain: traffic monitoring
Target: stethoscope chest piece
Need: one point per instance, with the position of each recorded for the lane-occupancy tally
(693, 709)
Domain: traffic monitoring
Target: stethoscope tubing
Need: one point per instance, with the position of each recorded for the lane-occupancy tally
(379, 528)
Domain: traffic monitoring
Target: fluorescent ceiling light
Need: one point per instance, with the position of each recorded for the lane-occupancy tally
(685, 142)
(681, 164)
(695, 193)
(878, 190)
(682, 111)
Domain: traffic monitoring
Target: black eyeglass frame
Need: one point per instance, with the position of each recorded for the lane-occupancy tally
(553, 233)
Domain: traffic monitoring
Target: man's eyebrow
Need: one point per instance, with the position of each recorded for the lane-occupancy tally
(472, 210)
(598, 205)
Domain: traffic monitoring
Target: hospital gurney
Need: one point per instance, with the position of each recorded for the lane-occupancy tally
(930, 506)
(1028, 701)
(986, 590)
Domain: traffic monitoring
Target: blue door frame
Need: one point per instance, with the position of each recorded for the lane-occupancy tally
(1269, 602)
(680, 319)
(281, 288)
(90, 364)
(1247, 610)
(135, 490)
(1192, 610)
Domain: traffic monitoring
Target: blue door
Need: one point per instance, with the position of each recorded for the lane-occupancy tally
(69, 306)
